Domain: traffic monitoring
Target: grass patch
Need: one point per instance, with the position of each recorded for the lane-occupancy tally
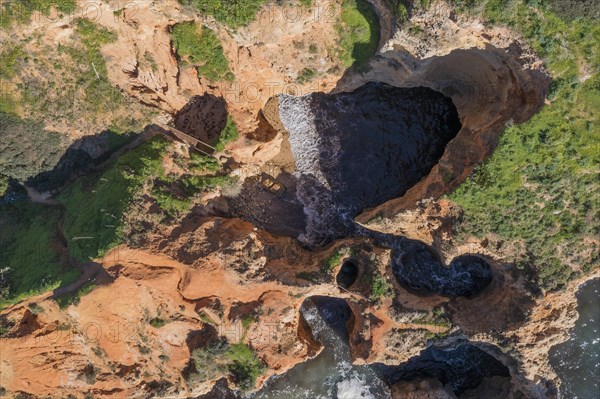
(199, 46)
(73, 84)
(20, 11)
(234, 13)
(95, 204)
(175, 197)
(540, 186)
(203, 163)
(75, 298)
(29, 249)
(358, 33)
(206, 318)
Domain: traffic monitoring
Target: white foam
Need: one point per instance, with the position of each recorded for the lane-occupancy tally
(353, 388)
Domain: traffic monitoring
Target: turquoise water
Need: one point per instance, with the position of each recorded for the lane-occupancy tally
(577, 361)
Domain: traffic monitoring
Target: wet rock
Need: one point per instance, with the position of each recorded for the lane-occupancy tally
(416, 266)
(460, 366)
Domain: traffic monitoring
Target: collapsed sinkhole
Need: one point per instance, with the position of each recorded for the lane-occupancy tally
(351, 151)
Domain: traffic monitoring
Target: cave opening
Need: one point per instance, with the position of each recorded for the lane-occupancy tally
(348, 274)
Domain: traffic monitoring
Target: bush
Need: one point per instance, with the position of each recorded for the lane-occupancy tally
(379, 287)
(234, 13)
(201, 47)
(75, 298)
(26, 149)
(244, 366)
(228, 135)
(219, 357)
(306, 75)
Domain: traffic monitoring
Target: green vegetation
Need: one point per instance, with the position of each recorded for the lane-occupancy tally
(6, 325)
(334, 260)
(200, 46)
(244, 366)
(174, 196)
(312, 277)
(206, 318)
(26, 148)
(75, 298)
(234, 13)
(95, 204)
(219, 358)
(379, 287)
(35, 308)
(436, 318)
(306, 75)
(9, 64)
(202, 163)
(359, 33)
(66, 83)
(157, 322)
(75, 78)
(20, 11)
(540, 187)
(229, 134)
(400, 10)
(4, 182)
(30, 251)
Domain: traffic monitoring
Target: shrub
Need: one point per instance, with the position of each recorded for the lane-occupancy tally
(234, 13)
(220, 357)
(201, 47)
(244, 366)
(379, 287)
(306, 75)
(228, 135)
(157, 322)
(75, 298)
